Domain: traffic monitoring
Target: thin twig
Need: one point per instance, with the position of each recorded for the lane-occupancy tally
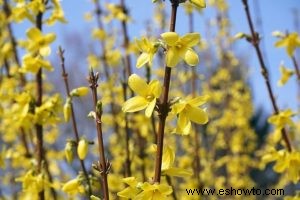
(164, 105)
(73, 117)
(103, 165)
(264, 71)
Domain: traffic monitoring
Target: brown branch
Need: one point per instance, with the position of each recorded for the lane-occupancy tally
(164, 104)
(296, 66)
(73, 117)
(264, 71)
(103, 165)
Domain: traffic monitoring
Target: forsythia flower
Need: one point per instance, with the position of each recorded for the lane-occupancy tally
(199, 3)
(168, 162)
(281, 119)
(73, 187)
(147, 95)
(39, 42)
(132, 190)
(33, 64)
(291, 42)
(116, 12)
(82, 149)
(155, 191)
(285, 75)
(148, 50)
(285, 161)
(188, 111)
(180, 48)
(33, 183)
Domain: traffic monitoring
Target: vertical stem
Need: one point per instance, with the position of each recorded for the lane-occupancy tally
(127, 138)
(296, 67)
(127, 73)
(164, 107)
(264, 71)
(103, 166)
(126, 40)
(73, 117)
(39, 127)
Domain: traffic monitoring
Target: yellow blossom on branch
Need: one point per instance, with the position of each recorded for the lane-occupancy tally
(290, 42)
(282, 119)
(188, 110)
(147, 95)
(37, 42)
(180, 48)
(148, 49)
(155, 191)
(285, 75)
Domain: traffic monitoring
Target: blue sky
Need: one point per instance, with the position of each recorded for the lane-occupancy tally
(276, 15)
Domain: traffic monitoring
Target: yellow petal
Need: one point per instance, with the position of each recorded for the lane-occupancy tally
(45, 51)
(172, 57)
(150, 108)
(34, 34)
(179, 172)
(183, 124)
(198, 101)
(135, 104)
(165, 189)
(131, 181)
(191, 58)
(197, 115)
(142, 60)
(190, 39)
(170, 38)
(50, 37)
(199, 3)
(178, 107)
(168, 158)
(281, 43)
(155, 88)
(138, 85)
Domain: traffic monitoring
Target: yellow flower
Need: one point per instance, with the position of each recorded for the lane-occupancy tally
(132, 190)
(33, 183)
(39, 42)
(290, 42)
(73, 187)
(199, 3)
(99, 34)
(147, 95)
(116, 12)
(168, 162)
(82, 149)
(188, 110)
(285, 75)
(180, 48)
(281, 119)
(148, 50)
(33, 64)
(155, 191)
(285, 162)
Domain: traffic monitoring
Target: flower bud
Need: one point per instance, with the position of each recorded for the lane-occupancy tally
(82, 149)
(69, 151)
(78, 92)
(67, 111)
